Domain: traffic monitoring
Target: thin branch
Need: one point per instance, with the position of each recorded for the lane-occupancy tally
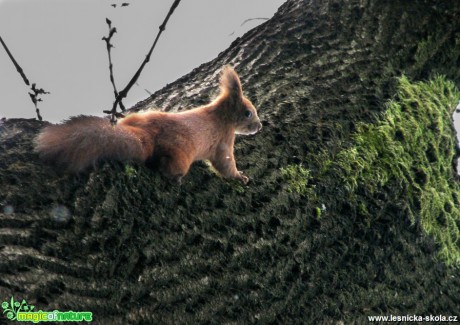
(148, 92)
(17, 66)
(122, 94)
(112, 31)
(145, 89)
(250, 19)
(36, 92)
(35, 98)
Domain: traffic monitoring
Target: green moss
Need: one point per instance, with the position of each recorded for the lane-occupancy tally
(318, 212)
(238, 187)
(298, 179)
(130, 171)
(426, 48)
(410, 151)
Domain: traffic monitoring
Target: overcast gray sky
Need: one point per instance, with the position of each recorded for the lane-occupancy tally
(58, 44)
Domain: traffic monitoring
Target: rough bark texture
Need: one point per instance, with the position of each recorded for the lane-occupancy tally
(127, 245)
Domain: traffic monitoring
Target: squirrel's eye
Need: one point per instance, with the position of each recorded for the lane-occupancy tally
(248, 114)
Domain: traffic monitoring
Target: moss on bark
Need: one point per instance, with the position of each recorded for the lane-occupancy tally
(408, 153)
(122, 242)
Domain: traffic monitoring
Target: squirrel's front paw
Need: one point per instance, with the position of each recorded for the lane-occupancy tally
(243, 178)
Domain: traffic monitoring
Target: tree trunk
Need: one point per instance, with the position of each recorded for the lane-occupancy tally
(299, 244)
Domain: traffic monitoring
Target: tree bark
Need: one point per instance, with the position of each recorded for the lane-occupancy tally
(131, 247)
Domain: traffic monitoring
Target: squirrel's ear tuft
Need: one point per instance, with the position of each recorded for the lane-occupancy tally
(230, 83)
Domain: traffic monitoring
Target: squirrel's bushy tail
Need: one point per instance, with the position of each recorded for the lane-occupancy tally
(83, 140)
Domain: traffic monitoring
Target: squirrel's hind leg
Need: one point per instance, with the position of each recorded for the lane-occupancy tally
(175, 165)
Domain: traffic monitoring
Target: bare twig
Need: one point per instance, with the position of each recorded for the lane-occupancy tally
(36, 92)
(34, 96)
(112, 31)
(148, 91)
(123, 93)
(250, 19)
(16, 65)
(247, 20)
(145, 89)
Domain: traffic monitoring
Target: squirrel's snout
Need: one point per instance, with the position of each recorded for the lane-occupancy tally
(249, 129)
(255, 127)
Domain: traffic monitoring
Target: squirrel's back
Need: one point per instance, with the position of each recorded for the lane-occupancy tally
(83, 140)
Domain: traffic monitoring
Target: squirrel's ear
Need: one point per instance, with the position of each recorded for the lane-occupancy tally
(230, 83)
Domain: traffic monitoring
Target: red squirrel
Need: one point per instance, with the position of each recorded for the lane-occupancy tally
(169, 141)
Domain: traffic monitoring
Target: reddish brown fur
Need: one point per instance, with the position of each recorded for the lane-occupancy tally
(175, 140)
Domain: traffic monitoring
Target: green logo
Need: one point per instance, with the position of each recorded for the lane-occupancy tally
(22, 312)
(13, 307)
